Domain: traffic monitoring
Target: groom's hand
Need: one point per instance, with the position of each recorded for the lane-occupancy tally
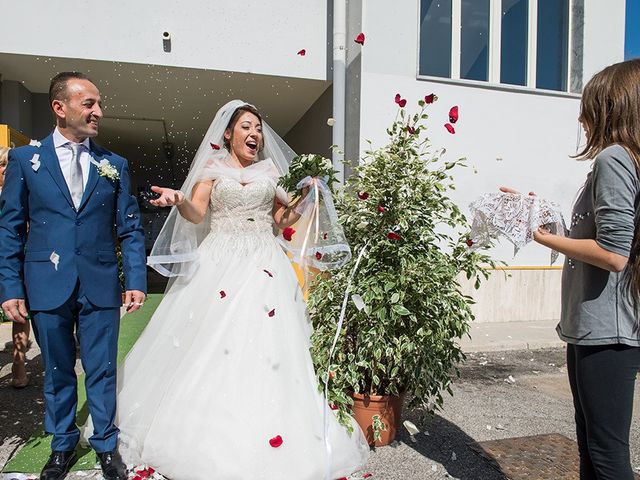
(133, 300)
(168, 197)
(16, 310)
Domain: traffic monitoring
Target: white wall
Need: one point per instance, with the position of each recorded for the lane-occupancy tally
(256, 37)
(520, 139)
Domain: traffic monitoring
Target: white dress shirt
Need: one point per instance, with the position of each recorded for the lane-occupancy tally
(65, 155)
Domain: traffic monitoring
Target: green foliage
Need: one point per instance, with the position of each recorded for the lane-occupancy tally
(405, 339)
(304, 166)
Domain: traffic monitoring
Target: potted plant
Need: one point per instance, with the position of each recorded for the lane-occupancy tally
(405, 309)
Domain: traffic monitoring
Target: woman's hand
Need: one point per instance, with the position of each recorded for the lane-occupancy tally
(168, 197)
(511, 190)
(540, 233)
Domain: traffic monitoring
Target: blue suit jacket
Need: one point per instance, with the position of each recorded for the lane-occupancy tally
(62, 245)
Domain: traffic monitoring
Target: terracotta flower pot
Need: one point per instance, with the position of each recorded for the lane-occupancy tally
(388, 408)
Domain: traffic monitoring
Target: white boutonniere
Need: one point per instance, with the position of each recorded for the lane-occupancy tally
(106, 169)
(35, 162)
(35, 143)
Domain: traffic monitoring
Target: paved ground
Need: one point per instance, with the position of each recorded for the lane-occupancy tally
(484, 406)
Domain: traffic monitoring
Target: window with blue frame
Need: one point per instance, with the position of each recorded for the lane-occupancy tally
(632, 30)
(513, 42)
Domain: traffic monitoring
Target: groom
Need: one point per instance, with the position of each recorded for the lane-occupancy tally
(65, 204)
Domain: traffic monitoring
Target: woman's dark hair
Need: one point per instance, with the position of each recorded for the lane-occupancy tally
(58, 85)
(610, 114)
(234, 119)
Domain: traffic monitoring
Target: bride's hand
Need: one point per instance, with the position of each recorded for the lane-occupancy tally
(511, 190)
(168, 197)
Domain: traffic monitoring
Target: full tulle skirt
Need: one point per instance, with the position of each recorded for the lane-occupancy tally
(221, 386)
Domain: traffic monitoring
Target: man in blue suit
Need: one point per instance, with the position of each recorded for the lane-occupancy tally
(65, 204)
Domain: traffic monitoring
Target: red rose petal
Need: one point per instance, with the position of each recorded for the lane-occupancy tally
(360, 38)
(151, 470)
(393, 236)
(268, 273)
(367, 475)
(469, 242)
(318, 255)
(276, 441)
(287, 233)
(449, 128)
(402, 103)
(302, 52)
(363, 195)
(398, 98)
(381, 209)
(453, 114)
(215, 146)
(430, 98)
(272, 312)
(222, 294)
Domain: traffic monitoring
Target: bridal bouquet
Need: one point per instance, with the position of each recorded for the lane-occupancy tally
(304, 166)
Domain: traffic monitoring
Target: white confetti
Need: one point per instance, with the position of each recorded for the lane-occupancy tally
(510, 380)
(454, 457)
(55, 259)
(411, 427)
(358, 301)
(35, 162)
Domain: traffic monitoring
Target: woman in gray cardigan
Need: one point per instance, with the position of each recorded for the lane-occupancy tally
(601, 275)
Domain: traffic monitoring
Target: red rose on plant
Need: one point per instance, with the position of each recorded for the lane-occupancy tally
(363, 195)
(287, 233)
(450, 128)
(393, 236)
(360, 38)
(469, 242)
(411, 130)
(381, 209)
(402, 103)
(430, 98)
(398, 98)
(453, 114)
(318, 255)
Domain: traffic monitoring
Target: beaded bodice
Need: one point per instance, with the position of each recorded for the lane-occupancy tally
(242, 209)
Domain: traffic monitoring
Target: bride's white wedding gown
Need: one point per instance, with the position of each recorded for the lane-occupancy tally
(224, 366)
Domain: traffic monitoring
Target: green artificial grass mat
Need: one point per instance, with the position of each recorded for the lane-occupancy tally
(34, 454)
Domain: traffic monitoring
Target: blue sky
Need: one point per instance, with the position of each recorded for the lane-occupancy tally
(632, 30)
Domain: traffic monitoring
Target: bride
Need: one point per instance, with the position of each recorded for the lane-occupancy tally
(220, 384)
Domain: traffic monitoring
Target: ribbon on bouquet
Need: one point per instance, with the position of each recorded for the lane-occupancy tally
(313, 197)
(343, 311)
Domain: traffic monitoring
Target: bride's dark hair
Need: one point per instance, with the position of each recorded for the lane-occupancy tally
(610, 114)
(234, 119)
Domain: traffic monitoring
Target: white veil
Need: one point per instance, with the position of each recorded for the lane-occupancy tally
(175, 251)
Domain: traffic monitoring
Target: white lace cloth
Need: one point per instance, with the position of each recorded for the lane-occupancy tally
(514, 216)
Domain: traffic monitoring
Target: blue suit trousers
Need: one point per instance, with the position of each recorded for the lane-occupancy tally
(97, 331)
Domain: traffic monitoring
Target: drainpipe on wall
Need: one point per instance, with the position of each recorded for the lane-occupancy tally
(339, 83)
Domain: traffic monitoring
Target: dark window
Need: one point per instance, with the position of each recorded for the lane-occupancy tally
(552, 46)
(514, 42)
(474, 40)
(435, 38)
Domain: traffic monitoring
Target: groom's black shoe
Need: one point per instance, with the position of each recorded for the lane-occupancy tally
(113, 468)
(58, 465)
